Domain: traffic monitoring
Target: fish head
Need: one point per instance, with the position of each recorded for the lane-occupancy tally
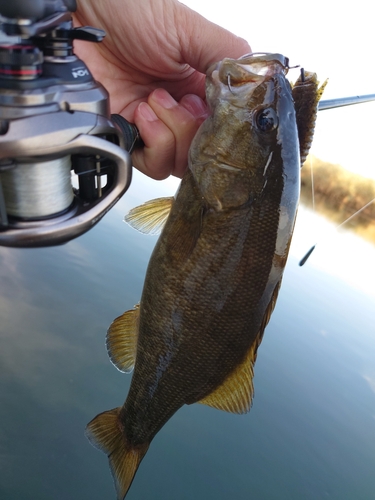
(250, 138)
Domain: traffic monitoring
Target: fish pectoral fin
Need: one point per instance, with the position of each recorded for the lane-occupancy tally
(236, 393)
(122, 338)
(150, 217)
(105, 433)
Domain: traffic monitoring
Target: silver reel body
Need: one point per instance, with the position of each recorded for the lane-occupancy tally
(63, 161)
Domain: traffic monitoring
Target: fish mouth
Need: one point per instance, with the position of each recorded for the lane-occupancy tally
(250, 68)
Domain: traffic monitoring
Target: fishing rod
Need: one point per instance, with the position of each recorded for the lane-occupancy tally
(344, 101)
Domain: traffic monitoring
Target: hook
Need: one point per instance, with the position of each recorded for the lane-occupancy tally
(229, 87)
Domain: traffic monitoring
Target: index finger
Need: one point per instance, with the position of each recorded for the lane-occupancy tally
(204, 43)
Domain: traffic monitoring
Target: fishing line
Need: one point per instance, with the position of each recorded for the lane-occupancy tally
(356, 213)
(307, 255)
(41, 189)
(312, 184)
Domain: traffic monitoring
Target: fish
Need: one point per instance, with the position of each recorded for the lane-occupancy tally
(214, 275)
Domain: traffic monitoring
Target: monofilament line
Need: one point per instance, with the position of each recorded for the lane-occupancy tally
(312, 185)
(307, 255)
(356, 213)
(39, 189)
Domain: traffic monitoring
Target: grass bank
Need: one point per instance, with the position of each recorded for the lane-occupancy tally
(339, 194)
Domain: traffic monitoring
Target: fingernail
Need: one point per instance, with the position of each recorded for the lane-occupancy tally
(195, 105)
(147, 112)
(164, 98)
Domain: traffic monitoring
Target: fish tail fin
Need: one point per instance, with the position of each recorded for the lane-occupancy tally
(105, 433)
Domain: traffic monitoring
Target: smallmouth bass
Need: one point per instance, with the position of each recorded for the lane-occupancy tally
(213, 278)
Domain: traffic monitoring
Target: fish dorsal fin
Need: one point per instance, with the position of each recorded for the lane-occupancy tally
(235, 394)
(150, 217)
(122, 337)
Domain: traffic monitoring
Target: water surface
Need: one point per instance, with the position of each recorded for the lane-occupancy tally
(310, 433)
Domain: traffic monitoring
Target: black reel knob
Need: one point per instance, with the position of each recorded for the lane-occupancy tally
(129, 131)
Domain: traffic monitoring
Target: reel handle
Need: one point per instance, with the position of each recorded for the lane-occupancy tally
(129, 131)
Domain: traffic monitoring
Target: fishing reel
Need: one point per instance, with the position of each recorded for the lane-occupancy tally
(64, 160)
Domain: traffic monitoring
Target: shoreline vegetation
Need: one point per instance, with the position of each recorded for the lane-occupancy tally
(338, 194)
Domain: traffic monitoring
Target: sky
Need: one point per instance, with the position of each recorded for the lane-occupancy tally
(331, 38)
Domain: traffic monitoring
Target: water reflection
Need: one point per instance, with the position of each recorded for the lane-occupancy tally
(309, 434)
(339, 253)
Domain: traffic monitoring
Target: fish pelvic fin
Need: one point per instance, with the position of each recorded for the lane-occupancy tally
(122, 338)
(236, 393)
(150, 217)
(106, 434)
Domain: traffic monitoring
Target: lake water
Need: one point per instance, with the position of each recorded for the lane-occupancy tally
(309, 435)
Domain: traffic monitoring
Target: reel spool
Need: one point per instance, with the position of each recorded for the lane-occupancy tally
(37, 190)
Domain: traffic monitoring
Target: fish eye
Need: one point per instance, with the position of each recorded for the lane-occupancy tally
(266, 119)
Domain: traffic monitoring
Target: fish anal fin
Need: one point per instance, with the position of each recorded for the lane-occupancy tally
(235, 394)
(121, 340)
(150, 217)
(105, 433)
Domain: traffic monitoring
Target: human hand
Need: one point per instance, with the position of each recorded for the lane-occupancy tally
(153, 63)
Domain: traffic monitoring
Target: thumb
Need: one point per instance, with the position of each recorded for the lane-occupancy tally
(204, 43)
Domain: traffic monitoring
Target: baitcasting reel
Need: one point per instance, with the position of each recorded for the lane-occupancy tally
(55, 129)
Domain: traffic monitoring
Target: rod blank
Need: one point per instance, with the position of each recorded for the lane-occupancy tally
(345, 101)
